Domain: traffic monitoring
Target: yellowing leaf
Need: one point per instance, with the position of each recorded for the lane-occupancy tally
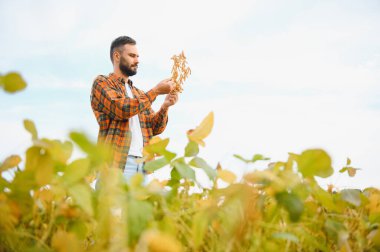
(65, 242)
(81, 194)
(226, 176)
(12, 82)
(31, 128)
(156, 241)
(203, 130)
(10, 162)
(76, 171)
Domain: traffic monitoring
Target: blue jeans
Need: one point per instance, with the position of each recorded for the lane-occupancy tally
(131, 168)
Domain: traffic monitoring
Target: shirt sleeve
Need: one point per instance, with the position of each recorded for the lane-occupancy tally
(159, 121)
(108, 100)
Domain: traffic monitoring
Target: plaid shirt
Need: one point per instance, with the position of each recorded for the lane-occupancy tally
(112, 108)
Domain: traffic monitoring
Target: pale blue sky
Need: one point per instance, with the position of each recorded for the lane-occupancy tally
(281, 76)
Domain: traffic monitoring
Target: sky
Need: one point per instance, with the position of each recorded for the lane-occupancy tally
(280, 76)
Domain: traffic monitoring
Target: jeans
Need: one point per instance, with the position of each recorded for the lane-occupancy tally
(131, 168)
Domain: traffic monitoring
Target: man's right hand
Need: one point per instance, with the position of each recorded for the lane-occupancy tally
(164, 87)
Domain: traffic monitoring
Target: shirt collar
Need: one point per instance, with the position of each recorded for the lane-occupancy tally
(115, 78)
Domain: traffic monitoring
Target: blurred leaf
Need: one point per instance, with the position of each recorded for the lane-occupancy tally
(241, 158)
(325, 199)
(315, 162)
(351, 196)
(226, 176)
(79, 228)
(31, 128)
(63, 241)
(136, 180)
(82, 196)
(59, 151)
(286, 236)
(350, 170)
(203, 130)
(199, 227)
(41, 163)
(334, 228)
(12, 82)
(98, 153)
(83, 142)
(256, 157)
(158, 148)
(45, 170)
(139, 214)
(201, 163)
(183, 169)
(76, 171)
(191, 149)
(157, 241)
(154, 165)
(292, 204)
(348, 162)
(10, 162)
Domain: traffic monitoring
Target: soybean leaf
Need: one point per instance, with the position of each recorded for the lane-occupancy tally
(315, 162)
(292, 204)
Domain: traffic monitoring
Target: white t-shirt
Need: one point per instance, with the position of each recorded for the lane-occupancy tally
(137, 142)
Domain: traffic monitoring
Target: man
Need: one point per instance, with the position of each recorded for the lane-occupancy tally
(124, 114)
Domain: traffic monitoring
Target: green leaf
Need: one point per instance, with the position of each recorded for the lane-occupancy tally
(201, 163)
(158, 147)
(41, 163)
(292, 204)
(199, 227)
(191, 149)
(31, 128)
(351, 196)
(76, 171)
(258, 157)
(83, 142)
(315, 162)
(12, 82)
(183, 169)
(334, 228)
(286, 236)
(79, 228)
(155, 164)
(59, 151)
(325, 199)
(82, 196)
(98, 153)
(241, 158)
(140, 213)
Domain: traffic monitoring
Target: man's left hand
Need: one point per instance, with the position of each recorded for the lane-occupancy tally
(170, 100)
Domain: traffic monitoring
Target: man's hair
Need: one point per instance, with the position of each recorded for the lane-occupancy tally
(119, 42)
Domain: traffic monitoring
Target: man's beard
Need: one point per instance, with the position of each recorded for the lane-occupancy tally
(125, 69)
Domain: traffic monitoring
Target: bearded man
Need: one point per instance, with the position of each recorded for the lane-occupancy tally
(126, 119)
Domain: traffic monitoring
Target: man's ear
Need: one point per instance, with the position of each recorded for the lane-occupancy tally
(116, 56)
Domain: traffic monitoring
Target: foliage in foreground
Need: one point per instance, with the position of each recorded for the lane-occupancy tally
(47, 203)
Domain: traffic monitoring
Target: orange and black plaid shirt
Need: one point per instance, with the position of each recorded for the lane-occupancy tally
(113, 108)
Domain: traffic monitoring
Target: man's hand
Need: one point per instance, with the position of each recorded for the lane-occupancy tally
(170, 100)
(164, 87)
